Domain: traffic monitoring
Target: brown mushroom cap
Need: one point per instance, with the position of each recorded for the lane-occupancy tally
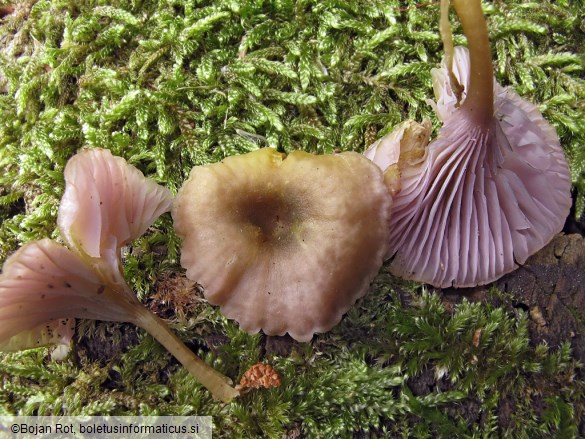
(284, 245)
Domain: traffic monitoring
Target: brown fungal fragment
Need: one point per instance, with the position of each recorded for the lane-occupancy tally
(476, 337)
(259, 376)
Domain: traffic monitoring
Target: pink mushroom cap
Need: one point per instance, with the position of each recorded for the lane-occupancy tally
(44, 281)
(487, 196)
(107, 203)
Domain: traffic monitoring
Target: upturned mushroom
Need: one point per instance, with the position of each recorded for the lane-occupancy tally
(284, 244)
(494, 186)
(106, 204)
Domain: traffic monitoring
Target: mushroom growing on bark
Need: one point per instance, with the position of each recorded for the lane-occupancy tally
(106, 204)
(284, 244)
(494, 186)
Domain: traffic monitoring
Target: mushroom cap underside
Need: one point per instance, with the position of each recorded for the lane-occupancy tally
(44, 281)
(484, 200)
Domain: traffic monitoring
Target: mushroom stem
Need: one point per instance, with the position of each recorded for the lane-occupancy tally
(214, 381)
(479, 103)
(447, 37)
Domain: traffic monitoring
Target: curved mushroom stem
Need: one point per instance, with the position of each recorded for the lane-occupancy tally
(480, 95)
(447, 37)
(214, 381)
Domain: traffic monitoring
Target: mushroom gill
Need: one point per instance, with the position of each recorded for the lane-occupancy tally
(284, 244)
(494, 186)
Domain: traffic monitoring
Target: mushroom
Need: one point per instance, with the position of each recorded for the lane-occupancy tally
(55, 333)
(284, 244)
(107, 203)
(401, 150)
(494, 186)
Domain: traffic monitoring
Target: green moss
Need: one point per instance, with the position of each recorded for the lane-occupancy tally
(418, 370)
(577, 314)
(173, 84)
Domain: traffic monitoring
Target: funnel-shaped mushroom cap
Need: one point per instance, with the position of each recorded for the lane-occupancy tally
(44, 281)
(490, 193)
(284, 245)
(107, 203)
